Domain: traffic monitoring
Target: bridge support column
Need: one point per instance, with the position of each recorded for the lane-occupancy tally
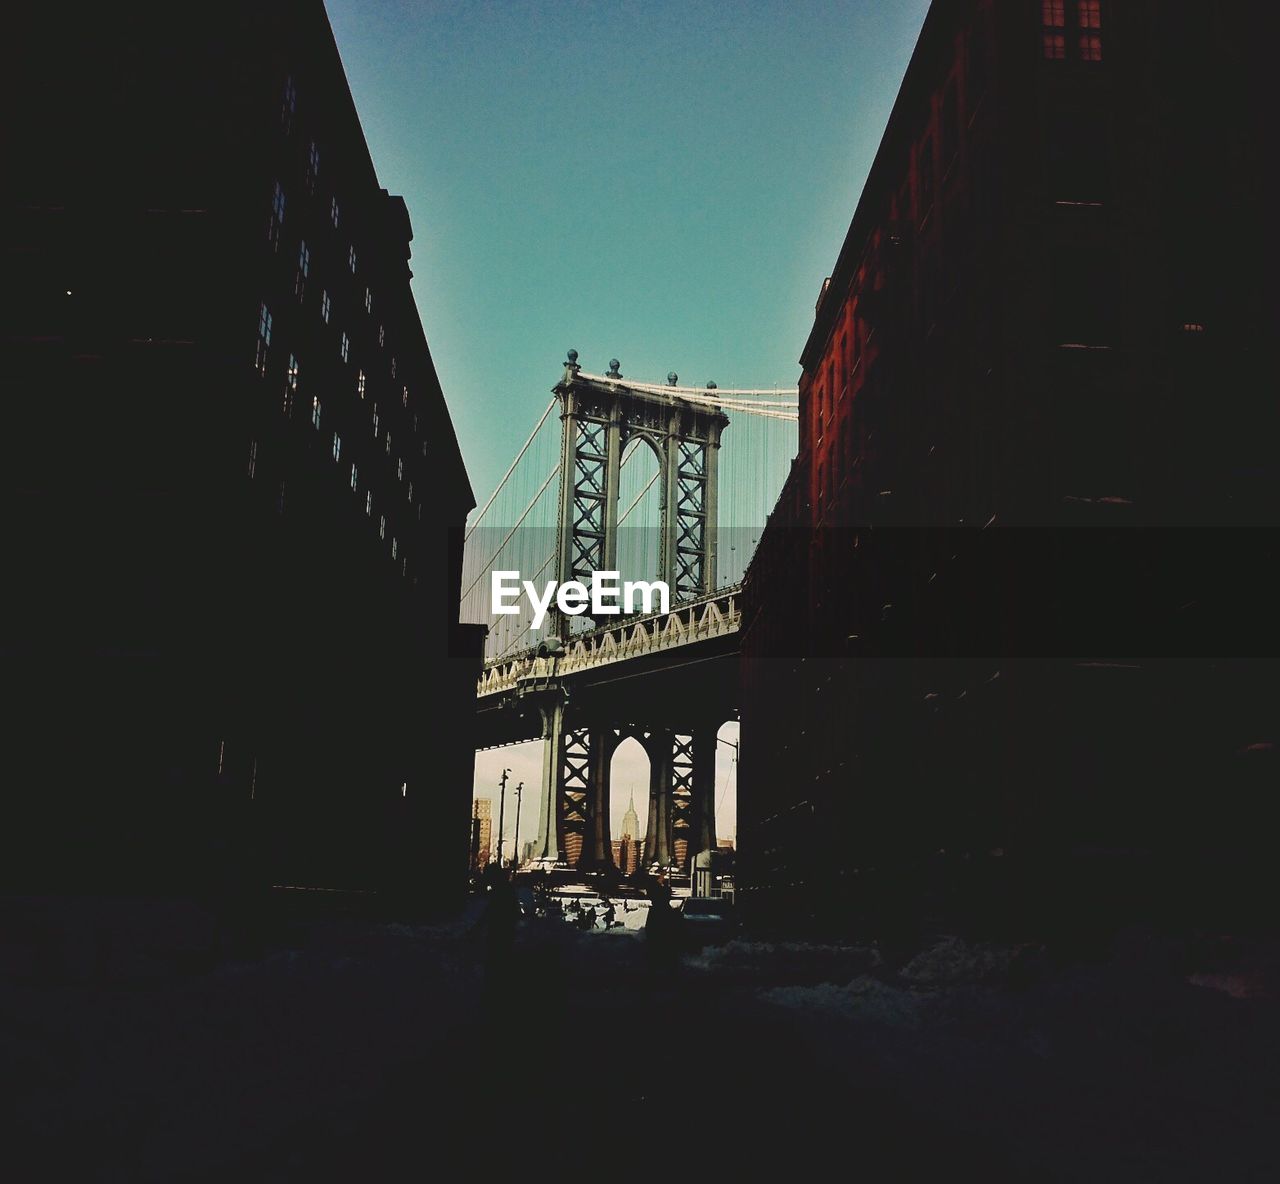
(547, 845)
(657, 834)
(702, 828)
(597, 850)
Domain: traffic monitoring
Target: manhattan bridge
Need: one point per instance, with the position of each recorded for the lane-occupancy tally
(656, 482)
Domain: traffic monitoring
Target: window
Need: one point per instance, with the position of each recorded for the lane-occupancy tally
(337, 446)
(304, 270)
(382, 526)
(345, 347)
(393, 367)
(368, 300)
(313, 166)
(325, 307)
(277, 217)
(375, 421)
(400, 470)
(334, 211)
(368, 503)
(388, 448)
(351, 260)
(264, 339)
(1059, 20)
(355, 478)
(382, 340)
(290, 384)
(424, 448)
(1054, 46)
(415, 423)
(289, 105)
(411, 493)
(253, 457)
(360, 383)
(393, 548)
(404, 397)
(315, 412)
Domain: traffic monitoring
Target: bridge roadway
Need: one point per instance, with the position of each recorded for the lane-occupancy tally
(652, 671)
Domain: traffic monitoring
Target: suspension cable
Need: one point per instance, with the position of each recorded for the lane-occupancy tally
(512, 469)
(484, 567)
(639, 495)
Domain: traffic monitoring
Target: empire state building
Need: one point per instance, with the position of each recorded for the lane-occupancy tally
(630, 821)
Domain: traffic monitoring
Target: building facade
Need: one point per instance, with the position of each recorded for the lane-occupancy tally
(236, 525)
(481, 833)
(628, 854)
(1010, 607)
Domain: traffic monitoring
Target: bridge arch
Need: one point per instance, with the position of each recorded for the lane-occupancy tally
(640, 508)
(630, 772)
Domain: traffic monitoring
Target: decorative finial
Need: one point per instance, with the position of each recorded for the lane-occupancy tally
(573, 356)
(672, 378)
(614, 372)
(711, 386)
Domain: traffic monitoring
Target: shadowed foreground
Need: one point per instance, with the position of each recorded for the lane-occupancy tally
(348, 1048)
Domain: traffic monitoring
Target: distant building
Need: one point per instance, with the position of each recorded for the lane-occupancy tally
(628, 854)
(572, 848)
(978, 624)
(481, 833)
(233, 525)
(630, 820)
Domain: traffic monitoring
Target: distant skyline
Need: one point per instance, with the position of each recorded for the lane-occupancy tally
(667, 183)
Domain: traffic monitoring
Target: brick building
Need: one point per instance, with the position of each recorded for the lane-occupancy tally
(234, 522)
(481, 833)
(1011, 610)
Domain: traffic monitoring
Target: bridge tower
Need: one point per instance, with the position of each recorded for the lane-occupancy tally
(600, 416)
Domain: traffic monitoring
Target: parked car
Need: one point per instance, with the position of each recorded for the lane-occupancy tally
(708, 920)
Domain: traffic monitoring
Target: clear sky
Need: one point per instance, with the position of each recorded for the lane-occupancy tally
(666, 182)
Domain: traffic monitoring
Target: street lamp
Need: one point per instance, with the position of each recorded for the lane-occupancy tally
(516, 843)
(502, 811)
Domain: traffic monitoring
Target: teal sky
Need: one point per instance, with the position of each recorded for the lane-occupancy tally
(665, 183)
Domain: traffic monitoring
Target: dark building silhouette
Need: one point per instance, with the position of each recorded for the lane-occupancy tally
(1014, 607)
(234, 497)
